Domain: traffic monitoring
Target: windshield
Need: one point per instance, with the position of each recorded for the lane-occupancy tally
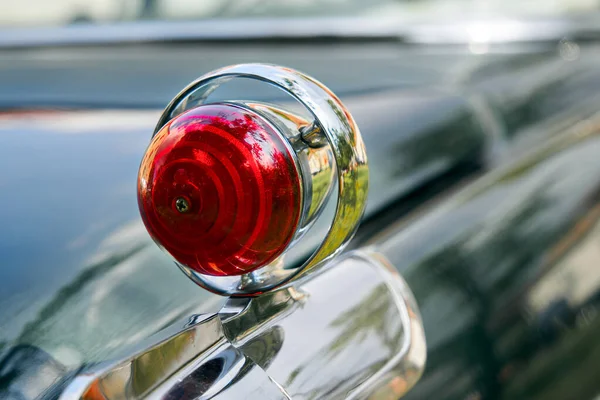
(64, 12)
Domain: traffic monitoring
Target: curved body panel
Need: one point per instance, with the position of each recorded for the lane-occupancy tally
(483, 193)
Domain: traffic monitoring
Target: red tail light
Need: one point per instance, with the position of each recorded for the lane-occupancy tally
(232, 190)
(219, 189)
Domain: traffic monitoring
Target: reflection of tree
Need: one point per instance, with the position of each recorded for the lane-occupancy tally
(354, 173)
(375, 315)
(474, 270)
(482, 275)
(344, 118)
(264, 348)
(26, 372)
(76, 286)
(540, 101)
(513, 248)
(267, 307)
(151, 367)
(456, 138)
(451, 269)
(569, 370)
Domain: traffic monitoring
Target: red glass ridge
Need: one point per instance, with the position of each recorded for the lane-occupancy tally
(218, 189)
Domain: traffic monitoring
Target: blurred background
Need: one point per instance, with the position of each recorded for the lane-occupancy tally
(61, 12)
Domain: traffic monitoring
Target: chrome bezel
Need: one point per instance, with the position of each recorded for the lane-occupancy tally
(291, 125)
(342, 134)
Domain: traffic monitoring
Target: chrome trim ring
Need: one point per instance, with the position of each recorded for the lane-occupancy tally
(350, 156)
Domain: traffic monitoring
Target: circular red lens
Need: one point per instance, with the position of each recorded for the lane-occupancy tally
(218, 189)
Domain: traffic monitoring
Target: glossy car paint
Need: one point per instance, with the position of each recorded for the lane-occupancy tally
(506, 276)
(84, 283)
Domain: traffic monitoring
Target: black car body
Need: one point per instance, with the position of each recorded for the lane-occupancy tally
(485, 171)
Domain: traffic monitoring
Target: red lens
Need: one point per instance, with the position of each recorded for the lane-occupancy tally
(218, 189)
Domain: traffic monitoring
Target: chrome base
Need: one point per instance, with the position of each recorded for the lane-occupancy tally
(353, 332)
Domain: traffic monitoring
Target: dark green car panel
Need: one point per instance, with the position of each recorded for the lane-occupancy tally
(503, 270)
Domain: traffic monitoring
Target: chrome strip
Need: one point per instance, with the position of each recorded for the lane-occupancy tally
(314, 340)
(137, 376)
(409, 363)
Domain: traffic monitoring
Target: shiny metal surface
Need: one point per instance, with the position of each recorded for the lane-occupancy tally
(187, 361)
(137, 376)
(310, 341)
(336, 345)
(316, 163)
(349, 154)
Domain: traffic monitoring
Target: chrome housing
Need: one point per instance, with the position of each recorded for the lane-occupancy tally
(330, 139)
(310, 341)
(315, 161)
